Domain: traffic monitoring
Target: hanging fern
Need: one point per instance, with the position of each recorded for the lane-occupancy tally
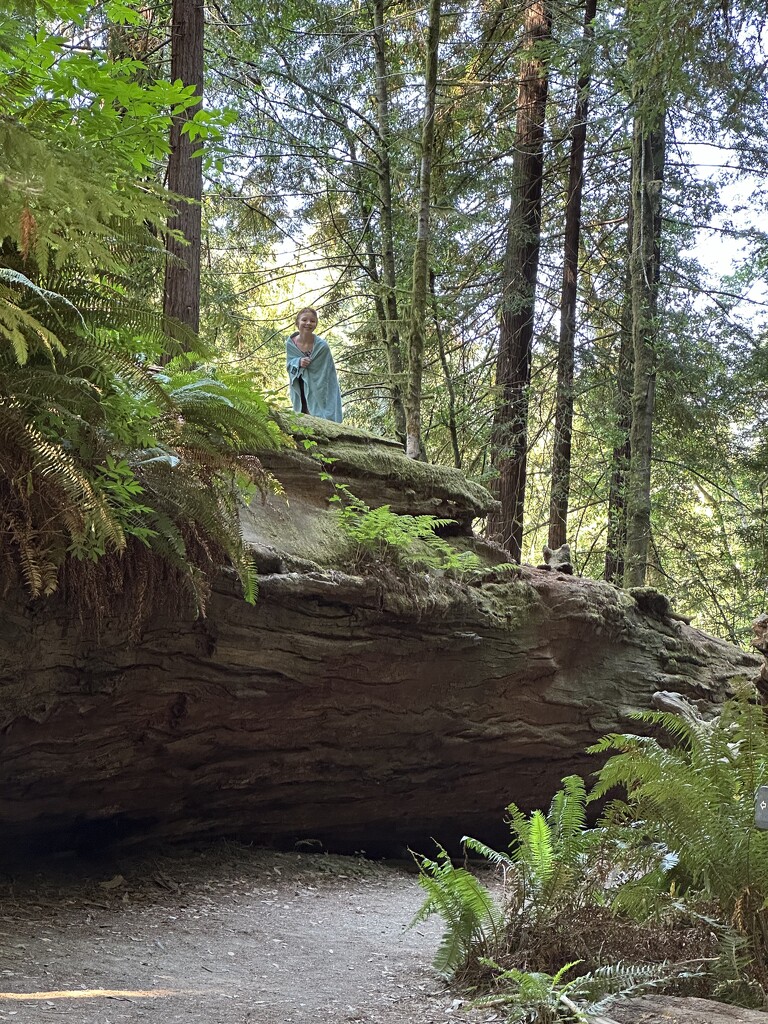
(111, 475)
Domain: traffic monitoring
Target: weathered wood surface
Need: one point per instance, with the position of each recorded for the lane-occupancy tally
(335, 709)
(327, 711)
(679, 1010)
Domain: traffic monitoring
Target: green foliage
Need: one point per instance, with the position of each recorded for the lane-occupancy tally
(474, 922)
(697, 795)
(553, 860)
(380, 536)
(535, 997)
(532, 997)
(558, 876)
(109, 470)
(382, 539)
(100, 453)
(691, 803)
(552, 866)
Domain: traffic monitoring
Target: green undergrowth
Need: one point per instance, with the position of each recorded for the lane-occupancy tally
(669, 889)
(395, 546)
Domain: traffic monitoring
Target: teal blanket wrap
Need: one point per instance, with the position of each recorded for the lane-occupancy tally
(321, 385)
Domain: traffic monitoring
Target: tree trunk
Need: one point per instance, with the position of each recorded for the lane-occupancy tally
(513, 372)
(388, 272)
(416, 332)
(617, 496)
(561, 455)
(646, 191)
(185, 172)
(450, 387)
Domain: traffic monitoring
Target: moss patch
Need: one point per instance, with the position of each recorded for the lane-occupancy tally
(357, 454)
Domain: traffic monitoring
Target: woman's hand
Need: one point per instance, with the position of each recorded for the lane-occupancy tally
(305, 362)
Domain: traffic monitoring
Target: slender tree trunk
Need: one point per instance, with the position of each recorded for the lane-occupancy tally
(617, 496)
(513, 371)
(185, 172)
(447, 377)
(561, 455)
(647, 181)
(371, 264)
(416, 332)
(388, 272)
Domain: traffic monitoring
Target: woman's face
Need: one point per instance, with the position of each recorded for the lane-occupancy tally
(306, 322)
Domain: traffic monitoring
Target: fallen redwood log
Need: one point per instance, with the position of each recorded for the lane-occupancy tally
(341, 709)
(332, 711)
(681, 1010)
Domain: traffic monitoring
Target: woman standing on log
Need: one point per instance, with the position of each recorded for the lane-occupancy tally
(311, 372)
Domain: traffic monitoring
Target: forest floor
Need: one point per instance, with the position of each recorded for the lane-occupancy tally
(227, 934)
(222, 935)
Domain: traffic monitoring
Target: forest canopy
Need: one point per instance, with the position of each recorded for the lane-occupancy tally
(535, 234)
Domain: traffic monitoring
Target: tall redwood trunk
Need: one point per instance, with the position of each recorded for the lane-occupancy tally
(521, 263)
(561, 455)
(647, 181)
(185, 173)
(416, 331)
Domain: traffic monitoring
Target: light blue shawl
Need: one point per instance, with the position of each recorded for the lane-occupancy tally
(321, 385)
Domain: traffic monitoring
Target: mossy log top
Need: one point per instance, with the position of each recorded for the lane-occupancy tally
(378, 472)
(338, 709)
(298, 529)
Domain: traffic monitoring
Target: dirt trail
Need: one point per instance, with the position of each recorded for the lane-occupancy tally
(225, 935)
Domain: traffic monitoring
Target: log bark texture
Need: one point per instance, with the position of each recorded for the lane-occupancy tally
(339, 708)
(682, 1010)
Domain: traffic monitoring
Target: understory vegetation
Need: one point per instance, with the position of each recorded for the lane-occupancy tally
(126, 455)
(668, 889)
(381, 538)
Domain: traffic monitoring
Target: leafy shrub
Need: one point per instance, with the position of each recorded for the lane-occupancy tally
(670, 868)
(550, 867)
(555, 863)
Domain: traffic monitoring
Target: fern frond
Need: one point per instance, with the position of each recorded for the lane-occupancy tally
(540, 849)
(501, 860)
(473, 921)
(598, 989)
